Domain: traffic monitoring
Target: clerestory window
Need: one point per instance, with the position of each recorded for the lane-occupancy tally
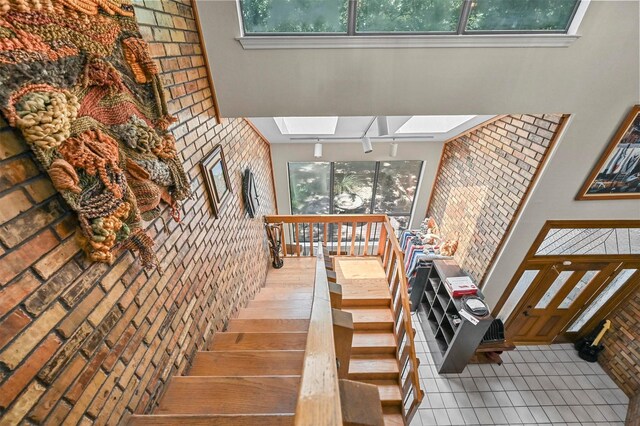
(397, 17)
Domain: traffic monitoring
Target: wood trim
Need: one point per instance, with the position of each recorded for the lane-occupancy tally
(530, 259)
(212, 87)
(525, 198)
(622, 129)
(273, 176)
(319, 394)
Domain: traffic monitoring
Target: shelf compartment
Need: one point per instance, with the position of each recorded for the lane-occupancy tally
(435, 283)
(442, 342)
(444, 301)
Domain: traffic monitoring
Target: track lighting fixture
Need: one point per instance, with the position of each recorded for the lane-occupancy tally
(317, 150)
(393, 149)
(366, 144)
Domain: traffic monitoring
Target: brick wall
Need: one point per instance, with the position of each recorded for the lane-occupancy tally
(92, 343)
(621, 357)
(482, 180)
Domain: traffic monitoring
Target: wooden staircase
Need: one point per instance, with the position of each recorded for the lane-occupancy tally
(250, 374)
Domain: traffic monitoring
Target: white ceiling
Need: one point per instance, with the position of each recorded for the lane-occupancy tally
(434, 128)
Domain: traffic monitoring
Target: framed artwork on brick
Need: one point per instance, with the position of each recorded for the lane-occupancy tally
(617, 174)
(216, 178)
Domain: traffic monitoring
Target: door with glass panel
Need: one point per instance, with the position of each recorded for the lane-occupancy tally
(559, 293)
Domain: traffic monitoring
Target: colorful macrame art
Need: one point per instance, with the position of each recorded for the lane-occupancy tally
(77, 79)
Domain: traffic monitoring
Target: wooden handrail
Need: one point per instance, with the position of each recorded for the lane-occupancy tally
(325, 218)
(408, 353)
(319, 396)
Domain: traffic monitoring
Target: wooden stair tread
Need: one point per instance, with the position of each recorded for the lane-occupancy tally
(376, 367)
(280, 304)
(283, 295)
(230, 395)
(291, 312)
(389, 391)
(268, 325)
(247, 363)
(393, 420)
(365, 294)
(212, 419)
(371, 318)
(372, 342)
(233, 341)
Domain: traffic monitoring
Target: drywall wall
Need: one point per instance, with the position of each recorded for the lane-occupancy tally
(596, 80)
(429, 152)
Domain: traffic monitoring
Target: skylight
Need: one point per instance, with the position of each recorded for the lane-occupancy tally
(306, 125)
(433, 123)
(342, 17)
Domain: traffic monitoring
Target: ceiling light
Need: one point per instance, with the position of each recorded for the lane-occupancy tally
(393, 150)
(366, 144)
(317, 150)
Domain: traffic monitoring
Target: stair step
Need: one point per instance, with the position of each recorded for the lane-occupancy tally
(212, 419)
(367, 342)
(389, 391)
(230, 395)
(278, 294)
(290, 312)
(371, 319)
(366, 293)
(294, 286)
(247, 363)
(302, 305)
(268, 325)
(376, 367)
(393, 420)
(232, 341)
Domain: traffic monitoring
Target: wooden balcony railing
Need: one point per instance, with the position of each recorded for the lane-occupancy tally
(363, 235)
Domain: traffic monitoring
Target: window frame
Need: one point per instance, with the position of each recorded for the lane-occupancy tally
(376, 175)
(461, 30)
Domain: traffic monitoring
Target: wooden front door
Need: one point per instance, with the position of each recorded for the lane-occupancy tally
(557, 294)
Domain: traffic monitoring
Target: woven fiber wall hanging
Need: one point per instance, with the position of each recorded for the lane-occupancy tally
(78, 81)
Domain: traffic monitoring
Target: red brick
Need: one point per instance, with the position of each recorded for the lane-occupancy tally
(19, 259)
(12, 295)
(12, 325)
(16, 171)
(12, 204)
(11, 388)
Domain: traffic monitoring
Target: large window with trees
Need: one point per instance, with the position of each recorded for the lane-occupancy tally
(355, 187)
(361, 17)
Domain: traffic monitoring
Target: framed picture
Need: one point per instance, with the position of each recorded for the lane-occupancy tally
(216, 178)
(617, 174)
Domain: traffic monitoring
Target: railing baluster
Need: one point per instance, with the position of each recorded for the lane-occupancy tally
(353, 238)
(382, 242)
(311, 244)
(339, 237)
(324, 235)
(366, 239)
(284, 239)
(297, 240)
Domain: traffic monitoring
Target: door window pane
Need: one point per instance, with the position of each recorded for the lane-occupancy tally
(353, 186)
(602, 298)
(397, 184)
(519, 290)
(577, 290)
(294, 16)
(521, 15)
(408, 15)
(309, 186)
(554, 289)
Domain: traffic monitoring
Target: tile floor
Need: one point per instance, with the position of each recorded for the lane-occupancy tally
(534, 385)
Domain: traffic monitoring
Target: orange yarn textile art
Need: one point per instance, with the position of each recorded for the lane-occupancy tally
(78, 82)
